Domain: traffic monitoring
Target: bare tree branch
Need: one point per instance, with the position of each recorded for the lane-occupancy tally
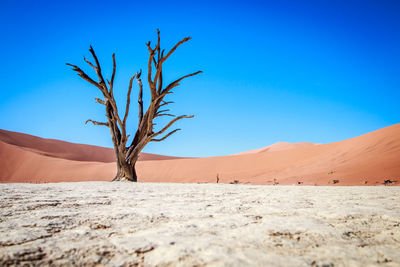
(165, 137)
(140, 97)
(160, 81)
(171, 123)
(164, 114)
(184, 40)
(158, 41)
(155, 63)
(161, 111)
(128, 100)
(175, 83)
(98, 68)
(98, 123)
(149, 70)
(84, 76)
(111, 83)
(90, 63)
(115, 114)
(165, 103)
(158, 64)
(158, 46)
(100, 101)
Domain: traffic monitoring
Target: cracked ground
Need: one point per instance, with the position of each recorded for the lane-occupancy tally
(148, 224)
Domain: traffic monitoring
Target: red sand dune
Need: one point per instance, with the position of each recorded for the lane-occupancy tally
(65, 150)
(369, 159)
(277, 147)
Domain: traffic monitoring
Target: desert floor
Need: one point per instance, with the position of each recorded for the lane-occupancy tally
(161, 224)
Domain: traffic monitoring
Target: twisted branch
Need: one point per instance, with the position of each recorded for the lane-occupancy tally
(128, 100)
(100, 101)
(176, 83)
(140, 97)
(165, 137)
(97, 68)
(98, 123)
(111, 83)
(171, 123)
(84, 76)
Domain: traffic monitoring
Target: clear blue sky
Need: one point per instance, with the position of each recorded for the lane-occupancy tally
(296, 71)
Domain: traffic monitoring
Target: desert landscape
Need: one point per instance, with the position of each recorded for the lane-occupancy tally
(370, 159)
(179, 216)
(200, 133)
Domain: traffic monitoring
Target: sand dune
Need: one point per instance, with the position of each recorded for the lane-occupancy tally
(369, 159)
(277, 147)
(66, 150)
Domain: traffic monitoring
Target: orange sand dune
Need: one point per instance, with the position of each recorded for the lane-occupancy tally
(22, 165)
(369, 159)
(277, 147)
(65, 150)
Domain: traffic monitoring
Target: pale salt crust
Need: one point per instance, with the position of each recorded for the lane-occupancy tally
(156, 224)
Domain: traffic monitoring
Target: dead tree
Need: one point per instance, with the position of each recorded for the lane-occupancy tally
(127, 155)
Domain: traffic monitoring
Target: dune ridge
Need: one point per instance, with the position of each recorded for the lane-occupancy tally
(277, 147)
(66, 150)
(369, 159)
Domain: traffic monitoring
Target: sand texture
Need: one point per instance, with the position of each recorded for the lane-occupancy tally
(369, 159)
(170, 224)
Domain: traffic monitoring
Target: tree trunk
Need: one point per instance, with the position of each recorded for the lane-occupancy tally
(126, 172)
